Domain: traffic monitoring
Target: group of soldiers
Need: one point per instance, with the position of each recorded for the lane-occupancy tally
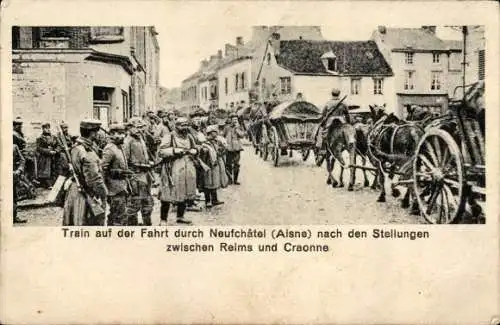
(117, 168)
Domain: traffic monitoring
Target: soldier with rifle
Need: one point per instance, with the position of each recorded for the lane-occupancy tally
(334, 110)
(139, 161)
(85, 203)
(18, 165)
(116, 174)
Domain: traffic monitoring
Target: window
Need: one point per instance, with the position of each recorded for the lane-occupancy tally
(236, 79)
(435, 80)
(225, 86)
(16, 37)
(106, 34)
(286, 85)
(242, 81)
(481, 65)
(409, 80)
(435, 57)
(378, 85)
(268, 58)
(409, 58)
(332, 64)
(355, 86)
(125, 106)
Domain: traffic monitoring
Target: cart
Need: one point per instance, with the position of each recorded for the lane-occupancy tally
(449, 164)
(292, 125)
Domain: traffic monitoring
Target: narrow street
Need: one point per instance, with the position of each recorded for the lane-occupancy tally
(295, 193)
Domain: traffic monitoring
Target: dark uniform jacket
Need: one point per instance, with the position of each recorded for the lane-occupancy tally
(113, 165)
(46, 161)
(233, 137)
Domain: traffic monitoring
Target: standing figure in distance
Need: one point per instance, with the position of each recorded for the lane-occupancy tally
(233, 134)
(18, 166)
(47, 149)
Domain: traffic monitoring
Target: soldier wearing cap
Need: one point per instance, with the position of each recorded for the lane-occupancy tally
(211, 153)
(233, 134)
(62, 166)
(333, 111)
(86, 163)
(139, 162)
(47, 149)
(17, 126)
(116, 172)
(178, 172)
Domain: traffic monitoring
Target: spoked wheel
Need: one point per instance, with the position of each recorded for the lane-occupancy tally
(439, 177)
(265, 148)
(274, 147)
(305, 154)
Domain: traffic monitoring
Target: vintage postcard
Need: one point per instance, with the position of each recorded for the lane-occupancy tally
(249, 162)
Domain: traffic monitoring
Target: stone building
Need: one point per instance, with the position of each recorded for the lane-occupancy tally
(314, 68)
(71, 73)
(423, 70)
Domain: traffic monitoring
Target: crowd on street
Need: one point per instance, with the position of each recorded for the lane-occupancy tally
(109, 174)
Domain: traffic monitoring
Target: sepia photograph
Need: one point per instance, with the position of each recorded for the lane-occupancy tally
(262, 124)
(249, 162)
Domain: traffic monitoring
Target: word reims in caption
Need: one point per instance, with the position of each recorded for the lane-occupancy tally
(243, 240)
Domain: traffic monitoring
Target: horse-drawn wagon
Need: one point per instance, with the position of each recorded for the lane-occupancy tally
(449, 165)
(292, 125)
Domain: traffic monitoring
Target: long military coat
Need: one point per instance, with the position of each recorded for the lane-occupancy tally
(86, 164)
(178, 173)
(113, 161)
(46, 161)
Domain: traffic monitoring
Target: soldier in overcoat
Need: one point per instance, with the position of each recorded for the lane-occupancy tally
(211, 154)
(87, 166)
(178, 172)
(116, 172)
(47, 149)
(139, 162)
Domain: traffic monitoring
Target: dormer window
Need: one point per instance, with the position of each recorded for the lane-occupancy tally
(329, 61)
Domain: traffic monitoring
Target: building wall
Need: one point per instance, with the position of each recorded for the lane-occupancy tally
(234, 96)
(204, 93)
(475, 43)
(46, 90)
(191, 97)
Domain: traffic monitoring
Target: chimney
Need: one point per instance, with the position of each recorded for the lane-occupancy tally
(239, 40)
(275, 42)
(430, 29)
(203, 64)
(382, 29)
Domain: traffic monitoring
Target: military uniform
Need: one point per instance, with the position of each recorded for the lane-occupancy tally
(136, 154)
(86, 164)
(62, 165)
(115, 169)
(233, 135)
(340, 113)
(216, 177)
(47, 149)
(18, 164)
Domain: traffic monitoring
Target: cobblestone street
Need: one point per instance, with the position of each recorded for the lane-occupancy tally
(295, 193)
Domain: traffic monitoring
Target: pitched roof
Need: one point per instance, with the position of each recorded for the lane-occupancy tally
(415, 38)
(353, 57)
(454, 44)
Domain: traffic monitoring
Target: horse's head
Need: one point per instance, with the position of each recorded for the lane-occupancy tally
(377, 111)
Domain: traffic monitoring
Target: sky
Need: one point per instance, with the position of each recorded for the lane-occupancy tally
(199, 42)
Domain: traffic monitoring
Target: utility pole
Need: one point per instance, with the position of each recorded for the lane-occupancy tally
(464, 63)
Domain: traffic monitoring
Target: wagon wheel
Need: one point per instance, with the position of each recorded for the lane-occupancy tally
(438, 177)
(305, 154)
(265, 151)
(274, 146)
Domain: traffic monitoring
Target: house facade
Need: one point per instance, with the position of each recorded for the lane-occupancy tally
(234, 83)
(475, 53)
(72, 73)
(420, 61)
(314, 68)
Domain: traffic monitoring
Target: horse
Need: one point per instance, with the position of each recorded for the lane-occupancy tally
(392, 143)
(342, 137)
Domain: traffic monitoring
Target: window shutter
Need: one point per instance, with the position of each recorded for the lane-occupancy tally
(481, 65)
